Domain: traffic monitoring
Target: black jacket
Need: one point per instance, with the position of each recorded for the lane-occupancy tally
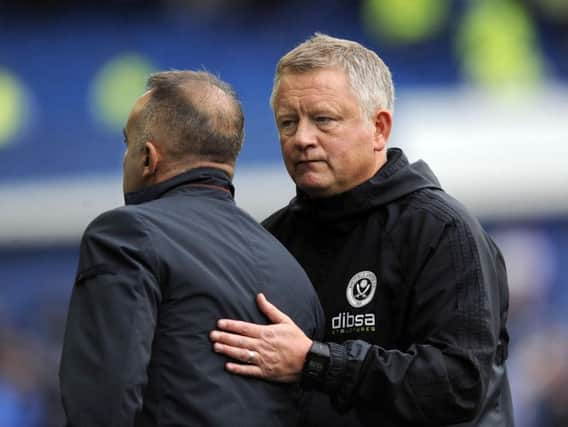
(153, 279)
(415, 295)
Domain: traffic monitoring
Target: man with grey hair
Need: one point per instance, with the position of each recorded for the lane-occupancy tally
(154, 276)
(414, 291)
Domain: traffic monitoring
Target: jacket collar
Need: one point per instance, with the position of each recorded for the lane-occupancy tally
(394, 180)
(203, 177)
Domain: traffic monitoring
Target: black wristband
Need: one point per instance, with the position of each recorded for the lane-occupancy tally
(316, 365)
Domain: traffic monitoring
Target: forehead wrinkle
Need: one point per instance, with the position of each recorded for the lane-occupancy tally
(309, 102)
(313, 84)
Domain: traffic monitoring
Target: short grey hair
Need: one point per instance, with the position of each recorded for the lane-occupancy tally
(200, 114)
(366, 72)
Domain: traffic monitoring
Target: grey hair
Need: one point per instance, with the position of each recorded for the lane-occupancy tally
(367, 74)
(200, 114)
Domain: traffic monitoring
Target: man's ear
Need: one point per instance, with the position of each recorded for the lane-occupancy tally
(152, 158)
(382, 121)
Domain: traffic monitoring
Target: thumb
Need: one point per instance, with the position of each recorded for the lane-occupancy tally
(270, 310)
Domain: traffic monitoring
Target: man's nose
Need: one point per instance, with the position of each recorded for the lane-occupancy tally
(306, 134)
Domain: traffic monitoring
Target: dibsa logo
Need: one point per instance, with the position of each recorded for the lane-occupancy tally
(360, 292)
(361, 289)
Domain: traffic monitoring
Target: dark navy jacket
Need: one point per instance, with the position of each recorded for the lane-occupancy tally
(416, 299)
(153, 279)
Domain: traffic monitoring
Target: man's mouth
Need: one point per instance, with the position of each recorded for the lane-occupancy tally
(300, 162)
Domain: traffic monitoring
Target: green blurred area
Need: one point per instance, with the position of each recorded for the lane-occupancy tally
(116, 86)
(404, 21)
(13, 109)
(497, 46)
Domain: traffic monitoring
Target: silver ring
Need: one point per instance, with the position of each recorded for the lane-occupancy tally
(251, 356)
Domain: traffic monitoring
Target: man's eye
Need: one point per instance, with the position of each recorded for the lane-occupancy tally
(286, 124)
(323, 120)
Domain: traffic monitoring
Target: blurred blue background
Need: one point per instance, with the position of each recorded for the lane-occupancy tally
(482, 96)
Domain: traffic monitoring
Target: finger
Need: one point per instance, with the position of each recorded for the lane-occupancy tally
(242, 355)
(239, 327)
(233, 340)
(270, 310)
(245, 370)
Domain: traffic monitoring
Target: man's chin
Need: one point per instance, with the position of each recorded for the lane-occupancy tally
(312, 188)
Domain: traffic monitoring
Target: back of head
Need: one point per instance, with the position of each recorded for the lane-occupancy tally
(193, 115)
(368, 75)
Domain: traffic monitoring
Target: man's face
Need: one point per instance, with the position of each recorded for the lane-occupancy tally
(329, 146)
(135, 156)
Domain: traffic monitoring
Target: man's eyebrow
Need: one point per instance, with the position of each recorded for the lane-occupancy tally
(124, 132)
(284, 111)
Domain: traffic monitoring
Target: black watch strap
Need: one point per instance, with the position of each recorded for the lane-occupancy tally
(316, 365)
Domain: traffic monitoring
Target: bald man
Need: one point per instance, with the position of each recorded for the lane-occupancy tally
(155, 275)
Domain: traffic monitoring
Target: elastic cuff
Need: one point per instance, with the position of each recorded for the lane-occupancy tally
(336, 368)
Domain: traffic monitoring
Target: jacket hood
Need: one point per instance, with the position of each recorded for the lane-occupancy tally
(395, 179)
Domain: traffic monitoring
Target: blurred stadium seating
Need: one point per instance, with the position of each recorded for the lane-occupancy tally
(482, 95)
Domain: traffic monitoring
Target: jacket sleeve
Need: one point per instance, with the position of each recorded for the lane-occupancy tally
(110, 324)
(439, 374)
